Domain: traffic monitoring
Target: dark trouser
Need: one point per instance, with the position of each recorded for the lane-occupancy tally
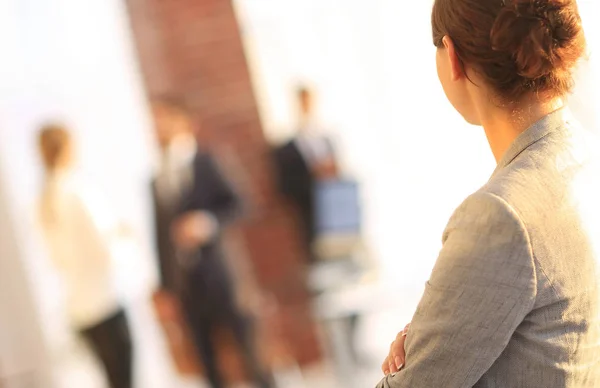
(205, 324)
(205, 338)
(111, 342)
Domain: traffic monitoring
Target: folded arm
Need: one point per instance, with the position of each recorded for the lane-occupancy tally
(481, 288)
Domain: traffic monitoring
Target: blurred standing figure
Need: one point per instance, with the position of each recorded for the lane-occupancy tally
(303, 161)
(78, 231)
(193, 203)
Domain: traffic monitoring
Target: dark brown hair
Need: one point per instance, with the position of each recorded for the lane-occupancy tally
(519, 47)
(302, 90)
(53, 142)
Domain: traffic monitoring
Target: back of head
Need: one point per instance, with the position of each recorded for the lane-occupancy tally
(54, 144)
(302, 91)
(172, 118)
(518, 47)
(305, 97)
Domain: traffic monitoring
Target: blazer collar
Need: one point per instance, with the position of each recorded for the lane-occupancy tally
(533, 134)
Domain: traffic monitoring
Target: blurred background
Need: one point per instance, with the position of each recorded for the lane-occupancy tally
(258, 78)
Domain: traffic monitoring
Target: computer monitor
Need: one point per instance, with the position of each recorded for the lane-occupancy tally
(337, 207)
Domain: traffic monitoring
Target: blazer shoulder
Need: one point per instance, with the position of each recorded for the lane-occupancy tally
(285, 150)
(205, 161)
(488, 203)
(284, 147)
(485, 208)
(203, 157)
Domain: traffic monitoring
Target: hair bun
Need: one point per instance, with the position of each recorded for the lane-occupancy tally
(534, 33)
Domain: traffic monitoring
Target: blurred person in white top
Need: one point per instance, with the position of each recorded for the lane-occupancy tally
(78, 231)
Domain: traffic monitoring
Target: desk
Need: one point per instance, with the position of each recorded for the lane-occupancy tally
(337, 287)
(371, 300)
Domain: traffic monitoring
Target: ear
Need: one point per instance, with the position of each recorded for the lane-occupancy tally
(456, 65)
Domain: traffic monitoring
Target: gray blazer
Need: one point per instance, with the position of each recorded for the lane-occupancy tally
(513, 299)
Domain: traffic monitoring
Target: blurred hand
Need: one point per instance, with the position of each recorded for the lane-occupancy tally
(193, 230)
(396, 359)
(166, 305)
(326, 169)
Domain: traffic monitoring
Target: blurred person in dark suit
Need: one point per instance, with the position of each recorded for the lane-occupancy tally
(193, 203)
(79, 231)
(301, 163)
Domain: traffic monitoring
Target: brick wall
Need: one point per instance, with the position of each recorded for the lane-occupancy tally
(193, 48)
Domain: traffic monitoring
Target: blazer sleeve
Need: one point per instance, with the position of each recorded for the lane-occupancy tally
(285, 184)
(293, 178)
(162, 240)
(212, 193)
(481, 288)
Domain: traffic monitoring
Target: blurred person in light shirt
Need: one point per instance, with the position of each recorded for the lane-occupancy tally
(79, 231)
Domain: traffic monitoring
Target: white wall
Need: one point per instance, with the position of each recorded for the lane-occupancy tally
(23, 354)
(373, 66)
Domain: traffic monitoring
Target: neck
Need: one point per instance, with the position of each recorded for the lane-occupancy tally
(178, 142)
(305, 118)
(502, 127)
(181, 149)
(58, 171)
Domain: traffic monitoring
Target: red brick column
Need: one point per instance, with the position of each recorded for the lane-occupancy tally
(193, 48)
